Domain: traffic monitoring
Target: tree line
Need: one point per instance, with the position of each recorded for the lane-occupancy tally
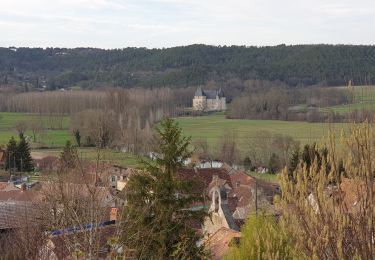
(88, 68)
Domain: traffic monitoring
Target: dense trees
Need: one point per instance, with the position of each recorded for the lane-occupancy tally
(262, 238)
(273, 100)
(158, 217)
(325, 214)
(330, 216)
(185, 66)
(18, 155)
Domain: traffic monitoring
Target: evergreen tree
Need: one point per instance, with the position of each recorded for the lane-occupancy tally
(77, 136)
(69, 156)
(24, 160)
(11, 154)
(158, 216)
(294, 160)
(247, 163)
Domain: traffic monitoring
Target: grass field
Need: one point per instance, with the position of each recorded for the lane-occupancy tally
(213, 127)
(343, 109)
(56, 135)
(363, 99)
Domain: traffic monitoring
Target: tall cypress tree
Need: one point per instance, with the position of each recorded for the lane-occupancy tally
(24, 160)
(69, 156)
(158, 215)
(11, 154)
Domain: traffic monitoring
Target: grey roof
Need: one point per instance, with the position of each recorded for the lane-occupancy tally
(14, 214)
(210, 94)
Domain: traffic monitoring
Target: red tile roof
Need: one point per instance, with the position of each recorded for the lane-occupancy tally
(238, 184)
(18, 195)
(221, 241)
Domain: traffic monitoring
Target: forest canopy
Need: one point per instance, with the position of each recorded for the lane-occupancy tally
(88, 68)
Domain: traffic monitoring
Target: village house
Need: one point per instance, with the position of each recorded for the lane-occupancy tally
(233, 195)
(118, 176)
(209, 100)
(18, 207)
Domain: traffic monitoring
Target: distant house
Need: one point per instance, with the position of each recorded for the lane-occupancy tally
(119, 176)
(209, 100)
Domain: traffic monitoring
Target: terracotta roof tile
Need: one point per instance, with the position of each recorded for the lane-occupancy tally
(18, 195)
(220, 242)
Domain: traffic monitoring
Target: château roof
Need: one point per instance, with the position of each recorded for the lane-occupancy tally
(210, 94)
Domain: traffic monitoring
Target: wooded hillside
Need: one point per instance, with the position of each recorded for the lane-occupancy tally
(299, 65)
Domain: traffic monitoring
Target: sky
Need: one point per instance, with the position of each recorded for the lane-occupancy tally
(166, 23)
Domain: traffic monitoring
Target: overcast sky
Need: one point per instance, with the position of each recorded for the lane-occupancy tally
(166, 23)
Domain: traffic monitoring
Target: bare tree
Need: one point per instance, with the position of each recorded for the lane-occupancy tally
(36, 126)
(228, 148)
(21, 127)
(329, 209)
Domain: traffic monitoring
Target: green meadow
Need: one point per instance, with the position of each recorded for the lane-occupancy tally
(56, 131)
(55, 137)
(363, 99)
(213, 127)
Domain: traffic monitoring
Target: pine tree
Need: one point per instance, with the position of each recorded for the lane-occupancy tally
(11, 154)
(158, 215)
(24, 160)
(77, 136)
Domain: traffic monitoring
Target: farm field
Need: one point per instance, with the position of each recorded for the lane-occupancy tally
(55, 135)
(363, 99)
(343, 109)
(213, 127)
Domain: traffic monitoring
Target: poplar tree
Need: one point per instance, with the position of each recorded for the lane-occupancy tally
(159, 213)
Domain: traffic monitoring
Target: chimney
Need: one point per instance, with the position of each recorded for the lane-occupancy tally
(114, 214)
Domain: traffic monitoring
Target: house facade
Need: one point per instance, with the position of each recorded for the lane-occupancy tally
(209, 100)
